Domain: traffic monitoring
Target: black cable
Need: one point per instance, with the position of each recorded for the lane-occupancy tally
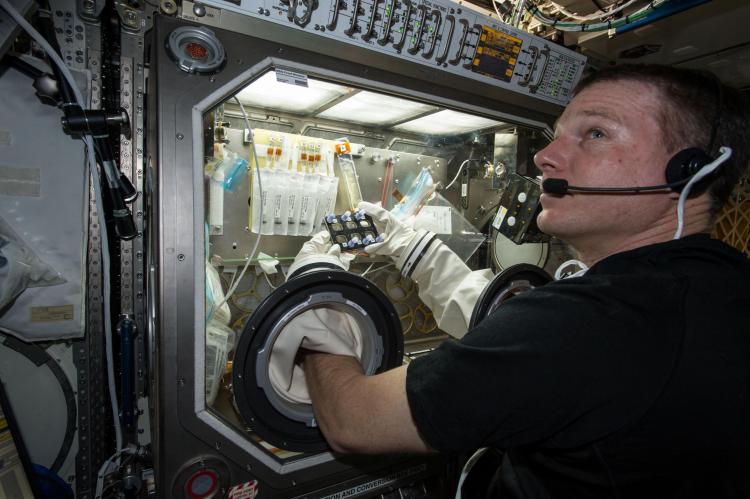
(28, 69)
(598, 5)
(112, 180)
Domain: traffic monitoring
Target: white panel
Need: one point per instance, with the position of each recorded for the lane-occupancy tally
(447, 122)
(370, 108)
(267, 93)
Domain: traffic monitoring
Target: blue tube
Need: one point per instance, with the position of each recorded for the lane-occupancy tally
(673, 7)
(126, 328)
(235, 173)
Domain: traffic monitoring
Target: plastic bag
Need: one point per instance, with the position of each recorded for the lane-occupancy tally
(215, 296)
(231, 170)
(20, 268)
(219, 342)
(418, 194)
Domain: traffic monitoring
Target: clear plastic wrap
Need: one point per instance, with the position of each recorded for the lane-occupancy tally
(422, 207)
(441, 217)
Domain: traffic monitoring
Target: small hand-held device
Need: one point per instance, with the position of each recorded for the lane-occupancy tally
(352, 231)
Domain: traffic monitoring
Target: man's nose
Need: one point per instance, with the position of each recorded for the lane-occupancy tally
(552, 157)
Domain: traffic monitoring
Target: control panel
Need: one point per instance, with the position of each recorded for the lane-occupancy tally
(440, 34)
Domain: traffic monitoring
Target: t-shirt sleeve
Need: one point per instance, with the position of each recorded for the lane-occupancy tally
(558, 367)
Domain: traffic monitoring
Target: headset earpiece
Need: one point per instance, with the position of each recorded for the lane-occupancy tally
(684, 165)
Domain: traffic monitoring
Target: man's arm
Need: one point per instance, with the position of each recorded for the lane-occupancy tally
(358, 413)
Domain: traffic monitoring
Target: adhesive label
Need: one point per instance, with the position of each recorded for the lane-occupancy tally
(52, 314)
(247, 490)
(499, 217)
(291, 77)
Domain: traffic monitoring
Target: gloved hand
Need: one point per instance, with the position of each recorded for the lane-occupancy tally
(318, 249)
(397, 234)
(445, 283)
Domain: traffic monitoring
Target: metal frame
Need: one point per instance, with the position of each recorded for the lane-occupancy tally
(183, 424)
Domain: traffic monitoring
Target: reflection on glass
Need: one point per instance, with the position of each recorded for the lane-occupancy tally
(283, 200)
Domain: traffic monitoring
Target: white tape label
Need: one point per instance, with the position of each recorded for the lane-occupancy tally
(291, 77)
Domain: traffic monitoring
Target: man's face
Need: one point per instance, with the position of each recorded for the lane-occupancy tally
(607, 137)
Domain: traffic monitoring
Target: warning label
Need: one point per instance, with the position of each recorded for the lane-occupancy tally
(363, 488)
(247, 490)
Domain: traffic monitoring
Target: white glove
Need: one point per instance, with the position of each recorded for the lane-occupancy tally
(445, 283)
(397, 235)
(318, 249)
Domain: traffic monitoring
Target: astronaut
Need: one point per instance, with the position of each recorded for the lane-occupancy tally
(630, 380)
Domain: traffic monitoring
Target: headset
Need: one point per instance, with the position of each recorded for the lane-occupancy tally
(681, 168)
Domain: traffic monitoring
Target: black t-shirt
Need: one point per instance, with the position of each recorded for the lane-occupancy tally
(632, 380)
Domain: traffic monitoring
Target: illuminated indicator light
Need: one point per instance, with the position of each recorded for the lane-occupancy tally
(511, 61)
(479, 50)
(508, 72)
(475, 62)
(196, 50)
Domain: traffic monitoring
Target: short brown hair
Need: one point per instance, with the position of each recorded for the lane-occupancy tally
(695, 106)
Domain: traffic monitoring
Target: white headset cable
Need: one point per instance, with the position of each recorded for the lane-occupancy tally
(460, 169)
(708, 169)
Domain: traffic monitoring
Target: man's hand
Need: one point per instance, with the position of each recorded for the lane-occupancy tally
(319, 249)
(397, 234)
(358, 413)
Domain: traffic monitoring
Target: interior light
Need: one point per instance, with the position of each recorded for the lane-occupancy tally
(446, 122)
(268, 93)
(369, 108)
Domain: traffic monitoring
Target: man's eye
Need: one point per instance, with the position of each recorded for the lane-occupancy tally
(595, 133)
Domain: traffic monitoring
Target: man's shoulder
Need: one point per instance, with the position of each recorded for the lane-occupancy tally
(692, 255)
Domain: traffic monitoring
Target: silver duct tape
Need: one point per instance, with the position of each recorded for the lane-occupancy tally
(20, 181)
